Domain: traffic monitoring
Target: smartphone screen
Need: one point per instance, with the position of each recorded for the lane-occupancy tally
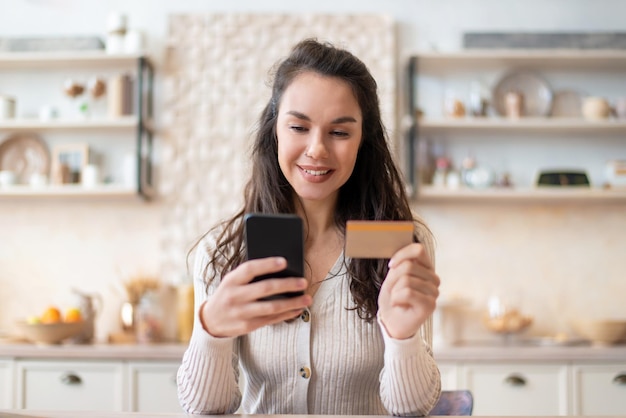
(276, 235)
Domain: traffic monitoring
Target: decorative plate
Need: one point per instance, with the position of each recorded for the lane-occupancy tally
(537, 96)
(24, 154)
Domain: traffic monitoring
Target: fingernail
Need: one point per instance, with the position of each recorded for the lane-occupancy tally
(391, 263)
(281, 261)
(304, 283)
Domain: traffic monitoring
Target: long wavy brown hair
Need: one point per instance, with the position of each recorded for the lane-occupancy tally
(374, 191)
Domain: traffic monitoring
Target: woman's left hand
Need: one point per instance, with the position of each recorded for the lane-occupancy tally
(409, 293)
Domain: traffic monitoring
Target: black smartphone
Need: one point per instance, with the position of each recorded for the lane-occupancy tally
(276, 235)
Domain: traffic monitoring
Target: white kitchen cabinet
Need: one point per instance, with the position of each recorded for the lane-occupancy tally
(524, 146)
(70, 385)
(152, 387)
(120, 144)
(517, 388)
(6, 384)
(449, 376)
(599, 389)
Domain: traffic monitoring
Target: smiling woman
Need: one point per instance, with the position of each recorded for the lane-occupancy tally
(319, 134)
(356, 339)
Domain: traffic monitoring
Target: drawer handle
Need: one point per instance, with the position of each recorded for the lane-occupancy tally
(71, 379)
(620, 379)
(515, 380)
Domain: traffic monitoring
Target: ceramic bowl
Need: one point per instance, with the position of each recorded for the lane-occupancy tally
(511, 322)
(601, 331)
(46, 334)
(596, 108)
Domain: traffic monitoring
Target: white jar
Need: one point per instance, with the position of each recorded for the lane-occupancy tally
(133, 42)
(129, 171)
(90, 177)
(7, 107)
(116, 30)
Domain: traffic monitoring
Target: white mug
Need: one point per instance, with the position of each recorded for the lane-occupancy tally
(90, 177)
(133, 42)
(38, 180)
(47, 113)
(7, 178)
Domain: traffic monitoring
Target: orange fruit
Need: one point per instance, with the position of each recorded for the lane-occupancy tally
(73, 315)
(51, 315)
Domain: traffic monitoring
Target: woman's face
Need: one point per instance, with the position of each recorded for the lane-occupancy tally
(319, 130)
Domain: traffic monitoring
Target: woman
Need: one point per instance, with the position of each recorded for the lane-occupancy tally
(358, 340)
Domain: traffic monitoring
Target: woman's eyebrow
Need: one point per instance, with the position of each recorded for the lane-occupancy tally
(343, 119)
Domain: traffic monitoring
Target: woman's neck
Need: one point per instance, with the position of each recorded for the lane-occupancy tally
(319, 219)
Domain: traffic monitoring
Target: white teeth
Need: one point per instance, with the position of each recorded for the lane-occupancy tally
(316, 173)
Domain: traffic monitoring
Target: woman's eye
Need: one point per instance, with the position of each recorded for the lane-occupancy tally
(339, 133)
(297, 128)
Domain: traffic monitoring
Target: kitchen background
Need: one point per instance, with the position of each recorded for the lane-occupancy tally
(560, 260)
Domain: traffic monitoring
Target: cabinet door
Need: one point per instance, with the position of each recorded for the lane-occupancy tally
(69, 385)
(6, 384)
(517, 388)
(153, 387)
(449, 375)
(599, 389)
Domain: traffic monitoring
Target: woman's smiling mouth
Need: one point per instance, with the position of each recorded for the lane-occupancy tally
(316, 173)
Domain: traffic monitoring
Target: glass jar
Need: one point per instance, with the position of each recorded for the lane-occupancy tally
(149, 325)
(478, 99)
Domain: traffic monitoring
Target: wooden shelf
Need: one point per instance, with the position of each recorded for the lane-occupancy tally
(538, 58)
(79, 59)
(126, 122)
(69, 190)
(139, 65)
(543, 194)
(547, 124)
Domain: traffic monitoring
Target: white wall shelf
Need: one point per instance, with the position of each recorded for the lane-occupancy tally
(80, 59)
(68, 190)
(547, 194)
(553, 58)
(540, 124)
(34, 66)
(126, 122)
(515, 147)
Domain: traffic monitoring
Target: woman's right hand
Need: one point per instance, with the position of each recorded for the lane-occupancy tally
(236, 309)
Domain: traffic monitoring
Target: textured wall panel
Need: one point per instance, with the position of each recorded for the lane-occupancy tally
(217, 82)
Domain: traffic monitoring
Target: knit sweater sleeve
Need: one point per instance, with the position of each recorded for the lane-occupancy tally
(410, 383)
(207, 378)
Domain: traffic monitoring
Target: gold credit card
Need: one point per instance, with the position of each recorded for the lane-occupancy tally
(377, 239)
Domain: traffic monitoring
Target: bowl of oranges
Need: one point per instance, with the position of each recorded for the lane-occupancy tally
(52, 327)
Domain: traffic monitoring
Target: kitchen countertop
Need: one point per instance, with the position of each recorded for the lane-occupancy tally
(503, 352)
(164, 352)
(174, 352)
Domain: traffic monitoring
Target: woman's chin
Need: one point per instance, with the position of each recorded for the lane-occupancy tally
(316, 196)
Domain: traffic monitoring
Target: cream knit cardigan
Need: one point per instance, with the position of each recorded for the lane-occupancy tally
(327, 361)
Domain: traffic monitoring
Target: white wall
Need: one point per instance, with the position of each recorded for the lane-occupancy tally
(48, 246)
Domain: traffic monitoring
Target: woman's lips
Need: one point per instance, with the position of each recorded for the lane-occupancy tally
(315, 174)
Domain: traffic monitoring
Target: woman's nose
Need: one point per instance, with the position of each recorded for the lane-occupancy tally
(316, 148)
